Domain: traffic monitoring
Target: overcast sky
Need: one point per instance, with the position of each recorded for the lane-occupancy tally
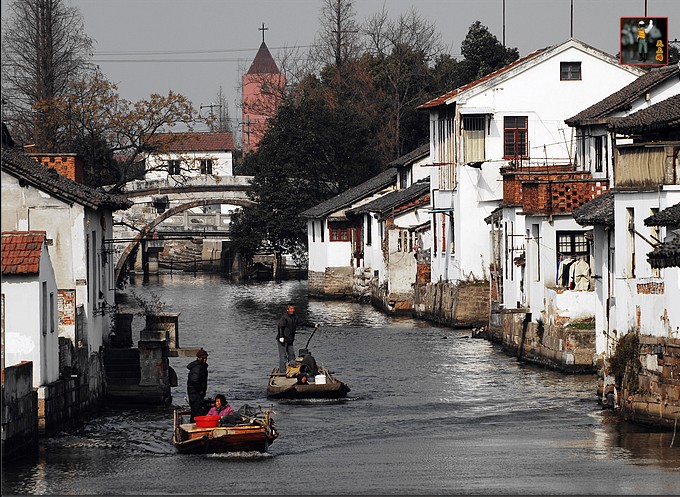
(194, 47)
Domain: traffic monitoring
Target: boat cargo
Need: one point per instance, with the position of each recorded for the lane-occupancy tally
(248, 430)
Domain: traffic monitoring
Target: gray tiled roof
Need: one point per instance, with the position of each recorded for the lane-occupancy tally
(666, 254)
(346, 198)
(622, 99)
(600, 210)
(394, 199)
(412, 156)
(27, 169)
(670, 216)
(661, 115)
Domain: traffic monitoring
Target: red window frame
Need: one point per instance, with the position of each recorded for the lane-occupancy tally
(339, 231)
(515, 137)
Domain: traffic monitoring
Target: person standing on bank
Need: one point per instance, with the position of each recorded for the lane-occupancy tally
(197, 383)
(286, 336)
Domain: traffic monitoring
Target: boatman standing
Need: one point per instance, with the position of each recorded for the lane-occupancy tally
(285, 336)
(197, 383)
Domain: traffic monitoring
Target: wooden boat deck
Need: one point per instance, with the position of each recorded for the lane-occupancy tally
(282, 387)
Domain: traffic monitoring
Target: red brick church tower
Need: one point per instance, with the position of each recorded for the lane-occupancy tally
(262, 90)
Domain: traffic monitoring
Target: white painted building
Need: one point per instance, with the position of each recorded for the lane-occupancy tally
(29, 305)
(402, 218)
(189, 155)
(511, 121)
(633, 295)
(335, 241)
(346, 248)
(77, 221)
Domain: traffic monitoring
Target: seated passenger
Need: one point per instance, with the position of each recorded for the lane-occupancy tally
(221, 407)
(309, 366)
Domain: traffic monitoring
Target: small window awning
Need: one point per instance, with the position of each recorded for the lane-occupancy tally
(440, 209)
(476, 110)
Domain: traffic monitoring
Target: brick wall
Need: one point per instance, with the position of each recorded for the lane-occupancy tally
(550, 190)
(70, 166)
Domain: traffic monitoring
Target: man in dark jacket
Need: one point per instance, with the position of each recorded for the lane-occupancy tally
(286, 336)
(197, 383)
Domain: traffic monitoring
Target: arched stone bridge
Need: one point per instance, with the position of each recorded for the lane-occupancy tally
(157, 201)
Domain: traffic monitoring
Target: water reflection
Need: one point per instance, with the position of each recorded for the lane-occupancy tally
(431, 411)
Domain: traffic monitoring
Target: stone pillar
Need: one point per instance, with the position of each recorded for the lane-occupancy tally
(168, 322)
(154, 368)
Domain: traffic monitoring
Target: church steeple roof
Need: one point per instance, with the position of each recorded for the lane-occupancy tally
(263, 62)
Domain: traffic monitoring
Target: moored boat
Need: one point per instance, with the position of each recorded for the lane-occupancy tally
(324, 386)
(250, 430)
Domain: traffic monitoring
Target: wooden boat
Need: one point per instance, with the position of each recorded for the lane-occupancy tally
(282, 387)
(254, 432)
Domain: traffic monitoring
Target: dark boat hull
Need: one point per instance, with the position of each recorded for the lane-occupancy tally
(280, 387)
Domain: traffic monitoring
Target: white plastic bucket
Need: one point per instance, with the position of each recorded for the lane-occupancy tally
(320, 379)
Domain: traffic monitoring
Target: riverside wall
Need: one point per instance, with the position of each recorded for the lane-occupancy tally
(19, 412)
(459, 305)
(651, 392)
(560, 344)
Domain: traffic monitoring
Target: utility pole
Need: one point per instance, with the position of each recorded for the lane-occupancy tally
(571, 30)
(503, 23)
(212, 114)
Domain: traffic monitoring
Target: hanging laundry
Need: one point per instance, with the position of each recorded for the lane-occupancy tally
(581, 275)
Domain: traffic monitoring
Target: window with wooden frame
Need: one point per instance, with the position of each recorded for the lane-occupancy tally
(570, 71)
(515, 135)
(369, 231)
(173, 167)
(598, 154)
(406, 241)
(339, 231)
(473, 138)
(206, 166)
(630, 219)
(655, 235)
(445, 148)
(571, 246)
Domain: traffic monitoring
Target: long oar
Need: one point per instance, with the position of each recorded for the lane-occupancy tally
(310, 337)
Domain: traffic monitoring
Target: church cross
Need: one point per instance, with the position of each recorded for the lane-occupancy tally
(263, 29)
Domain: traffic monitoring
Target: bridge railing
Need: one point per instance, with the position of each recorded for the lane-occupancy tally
(189, 221)
(205, 180)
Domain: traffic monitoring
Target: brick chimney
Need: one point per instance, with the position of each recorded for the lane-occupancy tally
(68, 165)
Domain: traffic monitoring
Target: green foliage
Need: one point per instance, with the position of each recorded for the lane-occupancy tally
(484, 52)
(310, 153)
(585, 324)
(341, 126)
(625, 363)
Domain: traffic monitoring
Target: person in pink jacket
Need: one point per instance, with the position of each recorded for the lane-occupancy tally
(221, 407)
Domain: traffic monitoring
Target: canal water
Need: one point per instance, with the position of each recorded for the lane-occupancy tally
(431, 411)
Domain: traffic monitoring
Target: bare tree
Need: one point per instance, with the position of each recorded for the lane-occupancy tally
(338, 40)
(403, 50)
(116, 136)
(44, 48)
(222, 122)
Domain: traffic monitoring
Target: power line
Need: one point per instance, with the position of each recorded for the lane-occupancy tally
(178, 52)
